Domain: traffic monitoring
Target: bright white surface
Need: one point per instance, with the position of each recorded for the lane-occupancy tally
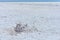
(45, 16)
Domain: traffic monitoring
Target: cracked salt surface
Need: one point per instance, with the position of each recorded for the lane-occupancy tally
(42, 20)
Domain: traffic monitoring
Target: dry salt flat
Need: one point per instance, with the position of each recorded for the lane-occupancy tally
(37, 21)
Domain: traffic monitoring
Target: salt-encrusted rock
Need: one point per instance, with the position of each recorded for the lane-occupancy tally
(20, 27)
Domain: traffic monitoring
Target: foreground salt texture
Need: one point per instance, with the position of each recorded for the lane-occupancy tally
(43, 16)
